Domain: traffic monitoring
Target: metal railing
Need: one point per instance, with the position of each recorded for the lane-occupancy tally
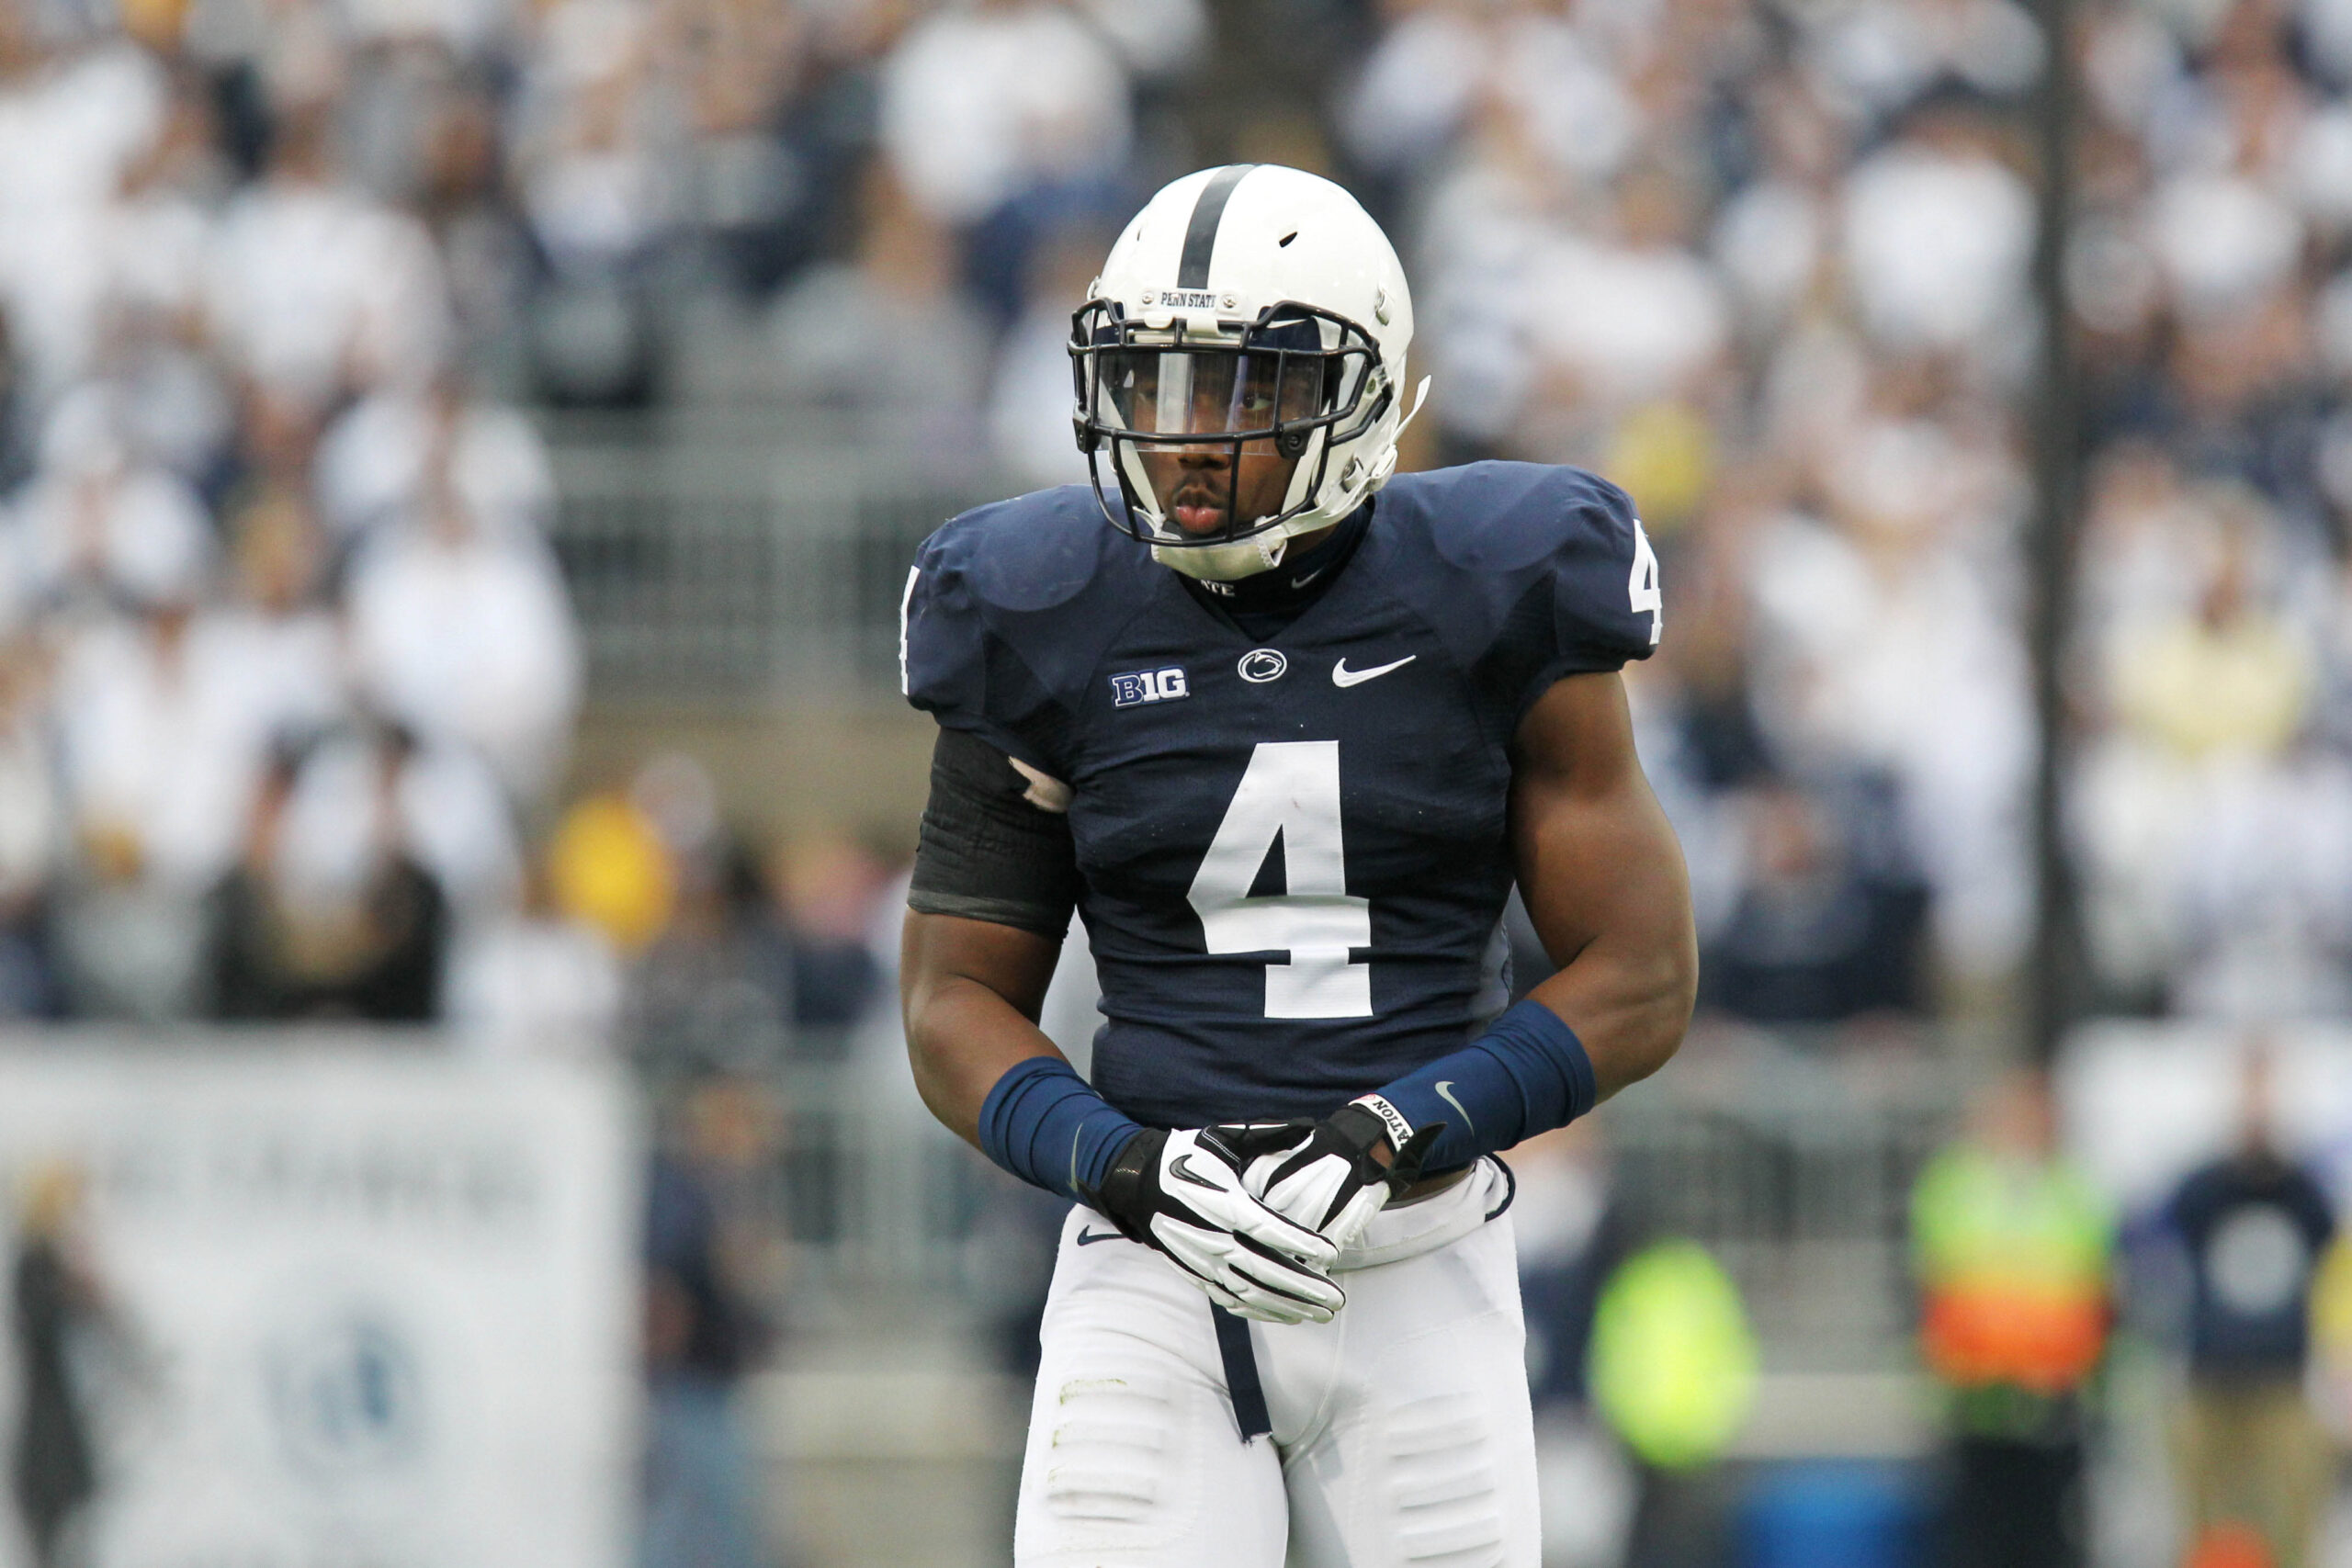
(1790, 1159)
(1793, 1161)
(714, 555)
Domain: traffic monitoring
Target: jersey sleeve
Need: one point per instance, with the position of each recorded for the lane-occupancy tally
(953, 665)
(1606, 607)
(1579, 577)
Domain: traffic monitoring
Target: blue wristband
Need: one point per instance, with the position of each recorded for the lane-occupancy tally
(1048, 1126)
(1527, 1073)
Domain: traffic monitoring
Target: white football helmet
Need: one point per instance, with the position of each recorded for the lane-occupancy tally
(1250, 304)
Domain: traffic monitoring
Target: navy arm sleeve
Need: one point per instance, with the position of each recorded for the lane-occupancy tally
(1527, 1073)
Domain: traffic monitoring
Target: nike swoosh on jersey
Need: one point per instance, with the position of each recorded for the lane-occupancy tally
(1342, 676)
(1445, 1092)
(1087, 1238)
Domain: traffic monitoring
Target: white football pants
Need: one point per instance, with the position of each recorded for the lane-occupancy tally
(1401, 1432)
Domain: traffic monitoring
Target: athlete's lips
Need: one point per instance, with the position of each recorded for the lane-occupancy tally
(1197, 509)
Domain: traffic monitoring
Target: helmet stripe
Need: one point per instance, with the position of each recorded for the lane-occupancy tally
(1200, 236)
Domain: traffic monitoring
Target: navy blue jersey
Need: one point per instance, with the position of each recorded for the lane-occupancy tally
(1294, 852)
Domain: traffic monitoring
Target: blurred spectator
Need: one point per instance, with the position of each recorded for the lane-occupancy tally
(1815, 935)
(464, 197)
(886, 341)
(384, 458)
(1029, 392)
(1442, 67)
(317, 289)
(740, 63)
(534, 979)
(73, 121)
(1673, 1365)
(703, 1252)
(2254, 1228)
(99, 523)
(709, 995)
(2012, 1250)
(460, 630)
(1572, 1232)
(2217, 839)
(54, 1297)
(275, 614)
(328, 914)
(608, 866)
(712, 993)
(1009, 1242)
(160, 744)
(828, 887)
(984, 104)
(30, 831)
(1938, 230)
(2221, 675)
(590, 179)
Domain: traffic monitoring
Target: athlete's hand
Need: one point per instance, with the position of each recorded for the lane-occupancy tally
(1181, 1194)
(1330, 1176)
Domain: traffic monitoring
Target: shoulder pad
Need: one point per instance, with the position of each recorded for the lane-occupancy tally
(1550, 561)
(996, 626)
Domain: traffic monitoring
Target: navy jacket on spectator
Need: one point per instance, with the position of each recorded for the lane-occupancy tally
(2254, 1228)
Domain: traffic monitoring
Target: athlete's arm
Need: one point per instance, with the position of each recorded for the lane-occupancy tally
(1603, 880)
(971, 991)
(995, 879)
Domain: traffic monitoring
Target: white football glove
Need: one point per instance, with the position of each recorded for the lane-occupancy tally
(1181, 1193)
(1323, 1174)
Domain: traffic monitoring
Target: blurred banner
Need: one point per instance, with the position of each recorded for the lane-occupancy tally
(346, 1304)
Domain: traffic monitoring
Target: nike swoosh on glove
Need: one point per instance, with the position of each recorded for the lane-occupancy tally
(1181, 1195)
(1323, 1174)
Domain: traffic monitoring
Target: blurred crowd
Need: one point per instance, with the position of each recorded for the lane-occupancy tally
(288, 675)
(287, 663)
(278, 278)
(1770, 269)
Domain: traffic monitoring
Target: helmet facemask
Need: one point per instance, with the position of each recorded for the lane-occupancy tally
(1223, 442)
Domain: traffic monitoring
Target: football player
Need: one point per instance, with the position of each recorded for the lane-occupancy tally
(1284, 731)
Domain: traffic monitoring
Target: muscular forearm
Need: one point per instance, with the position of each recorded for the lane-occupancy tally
(1629, 1000)
(961, 1038)
(969, 993)
(1604, 883)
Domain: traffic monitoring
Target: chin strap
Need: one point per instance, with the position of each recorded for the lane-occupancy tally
(1229, 562)
(1421, 396)
(1378, 473)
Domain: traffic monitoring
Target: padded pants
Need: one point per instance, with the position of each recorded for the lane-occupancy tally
(1402, 1437)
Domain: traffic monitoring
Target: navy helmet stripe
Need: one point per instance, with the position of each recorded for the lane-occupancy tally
(1200, 237)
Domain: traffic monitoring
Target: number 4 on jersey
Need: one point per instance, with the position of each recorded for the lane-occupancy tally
(1290, 792)
(1641, 586)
